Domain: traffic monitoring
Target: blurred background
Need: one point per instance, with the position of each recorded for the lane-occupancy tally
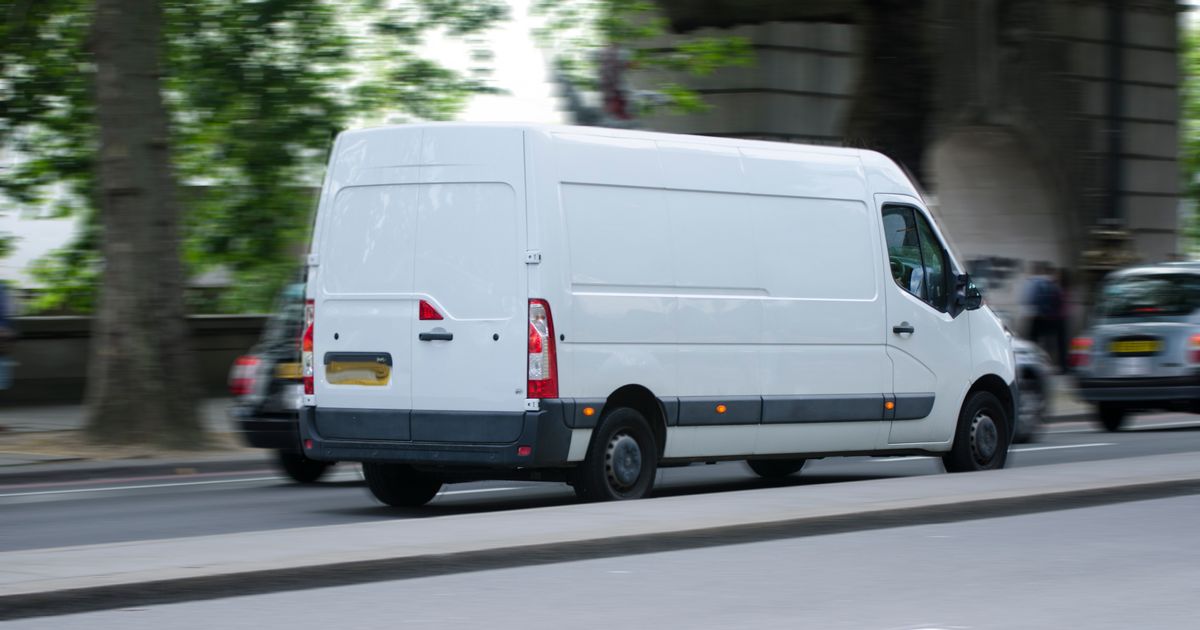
(1054, 139)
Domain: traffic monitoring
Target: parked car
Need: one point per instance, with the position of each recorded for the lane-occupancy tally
(1142, 350)
(1035, 381)
(267, 388)
(583, 304)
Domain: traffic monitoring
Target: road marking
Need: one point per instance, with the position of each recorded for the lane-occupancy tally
(1019, 449)
(1165, 425)
(141, 487)
(477, 491)
(1027, 449)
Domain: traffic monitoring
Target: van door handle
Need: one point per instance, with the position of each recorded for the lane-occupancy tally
(904, 328)
(436, 336)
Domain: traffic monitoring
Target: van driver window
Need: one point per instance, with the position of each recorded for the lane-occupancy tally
(917, 260)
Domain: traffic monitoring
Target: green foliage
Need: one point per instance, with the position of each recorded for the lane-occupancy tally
(1190, 141)
(256, 92)
(578, 29)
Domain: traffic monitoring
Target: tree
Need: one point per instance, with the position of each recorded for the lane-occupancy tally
(139, 377)
(255, 92)
(1190, 141)
(590, 36)
(236, 100)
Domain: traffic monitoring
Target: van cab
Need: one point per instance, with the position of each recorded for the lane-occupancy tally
(587, 305)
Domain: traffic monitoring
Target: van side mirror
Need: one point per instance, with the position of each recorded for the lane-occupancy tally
(967, 296)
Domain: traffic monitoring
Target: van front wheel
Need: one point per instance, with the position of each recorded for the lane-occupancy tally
(399, 485)
(982, 438)
(621, 460)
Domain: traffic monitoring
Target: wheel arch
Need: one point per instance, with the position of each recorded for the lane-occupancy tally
(642, 400)
(996, 386)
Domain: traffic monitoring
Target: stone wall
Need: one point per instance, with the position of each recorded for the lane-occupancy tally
(52, 352)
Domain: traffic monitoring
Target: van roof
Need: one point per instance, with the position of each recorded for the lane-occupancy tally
(878, 166)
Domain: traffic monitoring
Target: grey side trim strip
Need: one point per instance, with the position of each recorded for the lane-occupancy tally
(913, 406)
(702, 411)
(849, 408)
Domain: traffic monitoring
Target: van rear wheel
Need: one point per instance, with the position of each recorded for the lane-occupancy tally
(621, 460)
(983, 435)
(775, 468)
(1112, 416)
(300, 468)
(400, 485)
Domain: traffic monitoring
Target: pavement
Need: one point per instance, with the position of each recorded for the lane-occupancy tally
(46, 443)
(62, 580)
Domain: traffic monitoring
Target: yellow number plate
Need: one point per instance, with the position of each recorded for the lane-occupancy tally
(289, 371)
(357, 373)
(1135, 347)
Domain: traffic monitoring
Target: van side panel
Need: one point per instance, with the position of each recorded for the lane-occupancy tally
(704, 272)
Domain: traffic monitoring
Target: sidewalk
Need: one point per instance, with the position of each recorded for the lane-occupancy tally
(48, 440)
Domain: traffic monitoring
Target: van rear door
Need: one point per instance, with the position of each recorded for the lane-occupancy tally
(470, 267)
(422, 214)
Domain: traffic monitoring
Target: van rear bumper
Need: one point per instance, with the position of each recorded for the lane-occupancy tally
(469, 439)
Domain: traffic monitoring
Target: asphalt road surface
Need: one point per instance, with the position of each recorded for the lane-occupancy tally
(34, 516)
(1129, 565)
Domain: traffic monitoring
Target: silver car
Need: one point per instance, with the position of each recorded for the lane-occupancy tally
(1142, 350)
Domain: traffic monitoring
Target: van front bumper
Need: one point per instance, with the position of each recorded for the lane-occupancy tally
(467, 439)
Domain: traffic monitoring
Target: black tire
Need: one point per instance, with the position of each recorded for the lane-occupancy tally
(982, 437)
(621, 460)
(300, 468)
(1112, 416)
(775, 468)
(400, 485)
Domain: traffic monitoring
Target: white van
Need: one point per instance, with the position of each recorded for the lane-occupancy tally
(586, 305)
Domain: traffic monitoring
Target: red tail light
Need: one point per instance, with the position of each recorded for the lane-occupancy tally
(241, 378)
(543, 364)
(1081, 352)
(427, 312)
(1194, 349)
(306, 348)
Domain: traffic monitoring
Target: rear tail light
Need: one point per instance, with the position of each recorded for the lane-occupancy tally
(1194, 349)
(306, 348)
(1081, 352)
(241, 378)
(427, 312)
(543, 364)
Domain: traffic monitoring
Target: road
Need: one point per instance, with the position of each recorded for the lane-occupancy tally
(118, 510)
(1128, 565)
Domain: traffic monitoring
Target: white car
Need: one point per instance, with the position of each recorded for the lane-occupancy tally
(585, 305)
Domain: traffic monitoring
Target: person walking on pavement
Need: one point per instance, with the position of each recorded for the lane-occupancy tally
(7, 334)
(1043, 297)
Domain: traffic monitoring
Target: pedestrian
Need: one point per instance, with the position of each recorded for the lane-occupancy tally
(1044, 300)
(1062, 320)
(7, 335)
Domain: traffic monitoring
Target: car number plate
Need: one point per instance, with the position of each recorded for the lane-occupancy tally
(1133, 366)
(1138, 346)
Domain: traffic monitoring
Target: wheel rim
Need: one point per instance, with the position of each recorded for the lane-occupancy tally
(985, 438)
(623, 461)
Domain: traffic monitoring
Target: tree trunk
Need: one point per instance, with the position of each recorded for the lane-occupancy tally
(140, 382)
